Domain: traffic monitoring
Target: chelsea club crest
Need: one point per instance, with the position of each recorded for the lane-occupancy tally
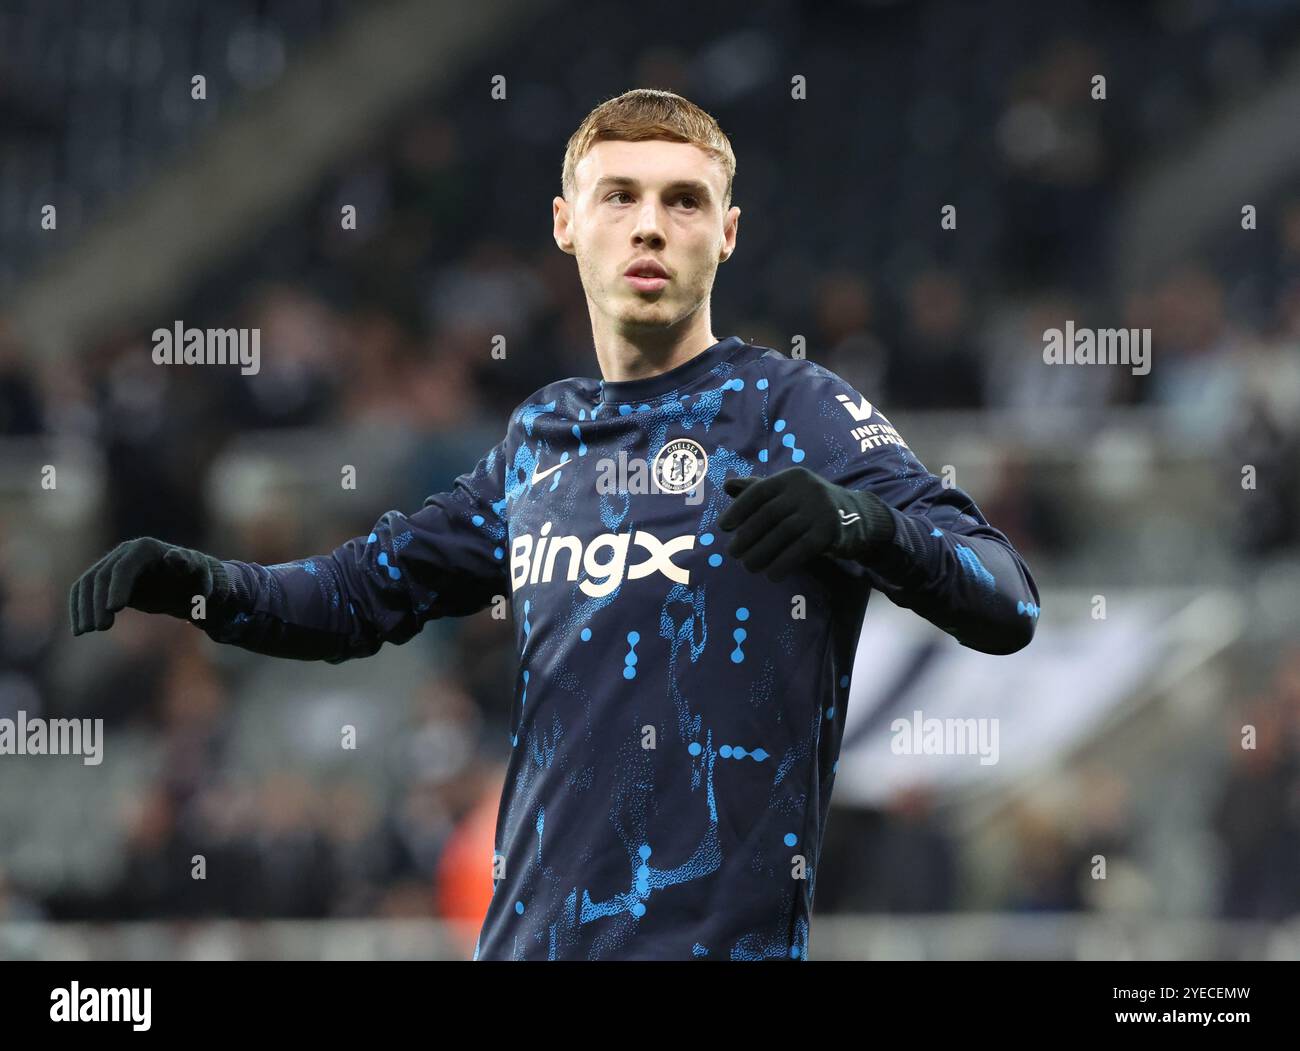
(680, 466)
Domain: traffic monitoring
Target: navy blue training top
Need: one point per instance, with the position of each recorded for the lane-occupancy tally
(676, 719)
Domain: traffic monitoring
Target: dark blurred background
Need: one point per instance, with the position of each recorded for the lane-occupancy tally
(1121, 736)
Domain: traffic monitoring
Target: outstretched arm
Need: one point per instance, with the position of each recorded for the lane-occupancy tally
(842, 484)
(964, 577)
(447, 559)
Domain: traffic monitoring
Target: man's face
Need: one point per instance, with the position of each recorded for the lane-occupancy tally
(654, 201)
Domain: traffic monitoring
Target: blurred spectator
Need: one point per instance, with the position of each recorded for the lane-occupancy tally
(937, 365)
(900, 859)
(20, 407)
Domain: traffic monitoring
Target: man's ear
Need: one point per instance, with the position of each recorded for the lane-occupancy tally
(730, 227)
(561, 216)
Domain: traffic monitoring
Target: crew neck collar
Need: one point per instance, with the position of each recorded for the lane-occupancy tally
(688, 371)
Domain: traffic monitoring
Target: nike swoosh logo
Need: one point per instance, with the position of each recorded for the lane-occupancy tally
(539, 475)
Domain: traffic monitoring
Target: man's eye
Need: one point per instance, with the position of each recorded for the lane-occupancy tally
(693, 202)
(618, 193)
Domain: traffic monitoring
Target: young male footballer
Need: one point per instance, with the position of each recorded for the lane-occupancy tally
(686, 645)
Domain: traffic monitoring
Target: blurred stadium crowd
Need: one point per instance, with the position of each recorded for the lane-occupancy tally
(376, 339)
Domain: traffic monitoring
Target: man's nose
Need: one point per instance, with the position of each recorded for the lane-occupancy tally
(649, 228)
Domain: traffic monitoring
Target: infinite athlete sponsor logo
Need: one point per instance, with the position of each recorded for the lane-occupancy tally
(860, 412)
(874, 434)
(532, 560)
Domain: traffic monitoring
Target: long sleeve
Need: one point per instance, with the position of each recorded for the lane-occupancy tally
(447, 559)
(945, 562)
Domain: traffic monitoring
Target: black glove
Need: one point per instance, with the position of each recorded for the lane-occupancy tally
(785, 521)
(148, 575)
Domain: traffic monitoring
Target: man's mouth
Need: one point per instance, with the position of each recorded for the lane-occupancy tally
(646, 275)
(646, 284)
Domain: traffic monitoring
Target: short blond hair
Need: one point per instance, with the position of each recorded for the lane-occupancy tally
(646, 113)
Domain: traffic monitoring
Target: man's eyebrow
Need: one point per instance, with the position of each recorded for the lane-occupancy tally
(694, 186)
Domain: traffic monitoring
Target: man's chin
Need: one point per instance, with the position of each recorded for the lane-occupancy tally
(647, 315)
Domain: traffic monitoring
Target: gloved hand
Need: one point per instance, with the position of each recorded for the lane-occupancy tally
(786, 520)
(148, 575)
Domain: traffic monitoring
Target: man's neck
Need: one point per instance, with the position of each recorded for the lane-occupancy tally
(636, 356)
